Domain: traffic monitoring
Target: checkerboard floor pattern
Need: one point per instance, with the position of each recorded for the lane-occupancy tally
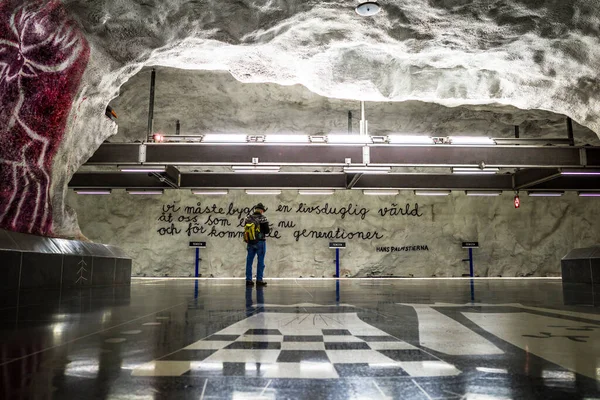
(310, 346)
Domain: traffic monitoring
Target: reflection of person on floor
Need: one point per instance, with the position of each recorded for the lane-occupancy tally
(256, 229)
(260, 300)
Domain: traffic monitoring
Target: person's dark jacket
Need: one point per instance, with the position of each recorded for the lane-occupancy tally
(264, 224)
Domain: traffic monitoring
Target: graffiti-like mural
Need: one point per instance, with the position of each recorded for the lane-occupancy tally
(43, 55)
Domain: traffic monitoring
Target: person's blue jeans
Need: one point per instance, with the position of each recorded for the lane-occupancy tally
(259, 249)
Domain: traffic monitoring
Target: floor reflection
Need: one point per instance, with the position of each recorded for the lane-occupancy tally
(338, 339)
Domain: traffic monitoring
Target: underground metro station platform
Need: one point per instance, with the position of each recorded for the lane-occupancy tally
(303, 339)
(299, 199)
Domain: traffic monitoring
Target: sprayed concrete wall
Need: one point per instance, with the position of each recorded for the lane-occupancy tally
(401, 236)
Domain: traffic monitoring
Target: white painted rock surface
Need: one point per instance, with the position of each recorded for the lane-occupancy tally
(530, 240)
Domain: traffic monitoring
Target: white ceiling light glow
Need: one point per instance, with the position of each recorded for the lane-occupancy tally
(146, 192)
(250, 169)
(432, 192)
(486, 193)
(380, 192)
(316, 192)
(409, 139)
(210, 192)
(545, 194)
(471, 140)
(253, 192)
(93, 191)
(475, 171)
(367, 170)
(142, 169)
(348, 139)
(581, 172)
(589, 194)
(287, 139)
(225, 138)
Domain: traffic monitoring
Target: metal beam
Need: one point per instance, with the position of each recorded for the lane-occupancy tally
(269, 181)
(116, 180)
(570, 183)
(193, 154)
(352, 180)
(429, 181)
(123, 180)
(527, 178)
(332, 155)
(467, 156)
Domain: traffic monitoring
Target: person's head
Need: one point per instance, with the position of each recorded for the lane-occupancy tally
(259, 208)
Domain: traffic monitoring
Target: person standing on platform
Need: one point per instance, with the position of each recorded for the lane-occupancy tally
(256, 229)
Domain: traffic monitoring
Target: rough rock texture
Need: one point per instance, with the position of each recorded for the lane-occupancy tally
(215, 102)
(530, 240)
(42, 58)
(529, 54)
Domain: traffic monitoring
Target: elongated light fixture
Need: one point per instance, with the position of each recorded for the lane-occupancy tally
(257, 192)
(589, 194)
(432, 192)
(367, 170)
(380, 192)
(93, 191)
(580, 172)
(255, 169)
(316, 192)
(225, 138)
(409, 139)
(484, 193)
(210, 192)
(142, 168)
(146, 192)
(471, 140)
(475, 171)
(287, 139)
(348, 139)
(545, 194)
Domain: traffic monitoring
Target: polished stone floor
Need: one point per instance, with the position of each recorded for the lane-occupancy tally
(303, 339)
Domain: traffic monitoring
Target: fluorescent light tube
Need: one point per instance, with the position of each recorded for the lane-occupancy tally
(92, 191)
(224, 138)
(145, 192)
(367, 170)
(472, 140)
(432, 192)
(316, 192)
(348, 139)
(249, 169)
(409, 139)
(210, 192)
(545, 194)
(581, 172)
(475, 171)
(376, 192)
(484, 193)
(142, 168)
(263, 192)
(287, 139)
(589, 194)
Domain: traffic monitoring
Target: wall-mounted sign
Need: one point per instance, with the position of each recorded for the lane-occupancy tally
(470, 245)
(517, 201)
(201, 245)
(337, 245)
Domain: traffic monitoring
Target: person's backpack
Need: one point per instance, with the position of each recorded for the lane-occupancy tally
(251, 230)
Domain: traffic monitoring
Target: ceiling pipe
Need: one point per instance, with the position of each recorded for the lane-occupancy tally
(151, 106)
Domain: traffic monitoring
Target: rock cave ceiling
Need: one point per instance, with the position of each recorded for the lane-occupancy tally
(528, 54)
(508, 57)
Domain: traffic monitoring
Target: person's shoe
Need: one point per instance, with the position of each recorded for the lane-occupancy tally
(249, 283)
(261, 283)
